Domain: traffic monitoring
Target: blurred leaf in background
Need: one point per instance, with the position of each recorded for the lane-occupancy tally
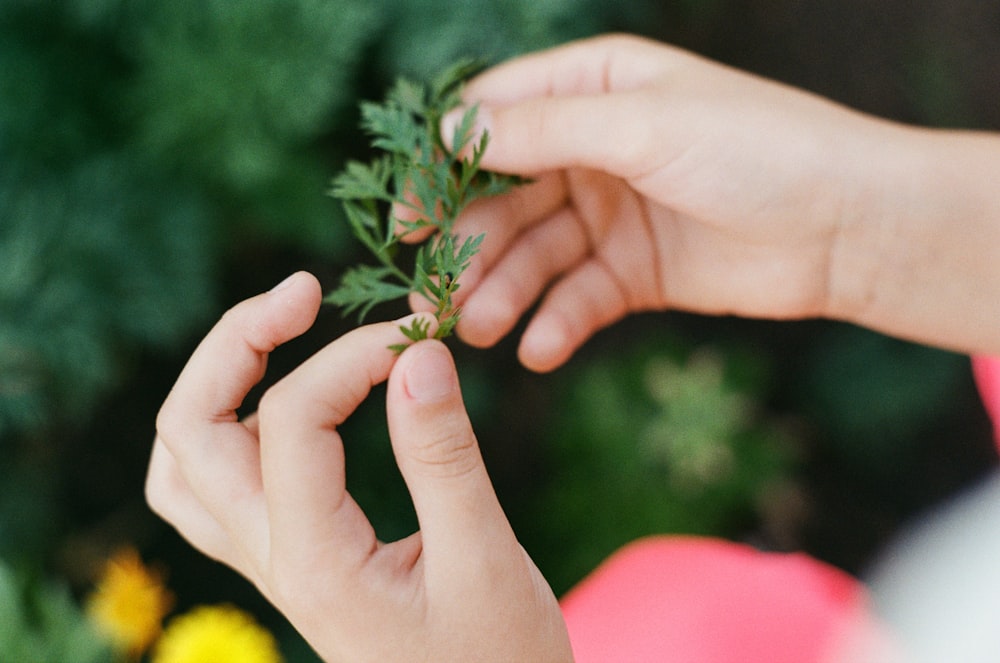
(97, 263)
(879, 394)
(897, 427)
(659, 440)
(421, 36)
(237, 96)
(41, 623)
(149, 145)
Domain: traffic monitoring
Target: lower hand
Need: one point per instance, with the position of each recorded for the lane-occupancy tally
(266, 495)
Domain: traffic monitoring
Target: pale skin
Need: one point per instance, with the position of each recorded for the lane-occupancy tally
(662, 180)
(668, 181)
(266, 496)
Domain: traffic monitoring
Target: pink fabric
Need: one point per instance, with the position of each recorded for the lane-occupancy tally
(987, 373)
(695, 600)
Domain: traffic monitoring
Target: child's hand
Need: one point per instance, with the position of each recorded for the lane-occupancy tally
(663, 181)
(266, 495)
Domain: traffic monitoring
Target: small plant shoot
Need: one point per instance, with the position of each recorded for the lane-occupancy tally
(415, 183)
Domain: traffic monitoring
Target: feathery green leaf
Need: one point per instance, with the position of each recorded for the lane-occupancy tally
(417, 172)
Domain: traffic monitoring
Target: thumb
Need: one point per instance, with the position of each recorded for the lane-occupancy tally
(437, 451)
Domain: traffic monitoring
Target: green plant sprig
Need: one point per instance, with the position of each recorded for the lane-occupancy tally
(416, 171)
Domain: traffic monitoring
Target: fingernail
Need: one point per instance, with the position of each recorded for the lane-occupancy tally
(430, 377)
(284, 284)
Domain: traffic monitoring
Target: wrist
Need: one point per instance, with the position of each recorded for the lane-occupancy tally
(917, 252)
(873, 170)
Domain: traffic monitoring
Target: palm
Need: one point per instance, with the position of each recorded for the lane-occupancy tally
(594, 248)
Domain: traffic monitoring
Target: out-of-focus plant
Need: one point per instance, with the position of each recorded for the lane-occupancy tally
(97, 263)
(147, 146)
(660, 441)
(41, 623)
(417, 184)
(122, 619)
(692, 434)
(129, 603)
(216, 634)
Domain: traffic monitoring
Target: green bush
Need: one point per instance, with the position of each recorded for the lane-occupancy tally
(41, 623)
(149, 146)
(665, 438)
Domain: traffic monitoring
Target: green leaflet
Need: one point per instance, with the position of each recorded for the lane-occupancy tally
(364, 287)
(414, 175)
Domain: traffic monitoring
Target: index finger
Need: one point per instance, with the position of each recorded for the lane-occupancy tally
(311, 515)
(229, 362)
(198, 422)
(592, 66)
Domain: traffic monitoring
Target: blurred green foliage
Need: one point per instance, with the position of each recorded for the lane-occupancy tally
(97, 261)
(161, 160)
(40, 622)
(146, 145)
(666, 438)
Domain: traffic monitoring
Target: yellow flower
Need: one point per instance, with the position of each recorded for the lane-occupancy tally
(129, 603)
(216, 634)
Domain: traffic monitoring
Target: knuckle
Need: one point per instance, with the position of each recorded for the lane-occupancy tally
(626, 42)
(283, 587)
(159, 491)
(153, 492)
(617, 39)
(169, 424)
(448, 454)
(274, 400)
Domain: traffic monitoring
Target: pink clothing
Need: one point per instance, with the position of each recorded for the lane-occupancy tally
(697, 600)
(987, 373)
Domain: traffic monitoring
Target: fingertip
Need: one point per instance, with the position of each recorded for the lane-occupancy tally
(420, 304)
(545, 346)
(298, 287)
(475, 336)
(292, 280)
(232, 356)
(406, 215)
(480, 327)
(416, 236)
(428, 424)
(449, 122)
(300, 295)
(428, 373)
(489, 313)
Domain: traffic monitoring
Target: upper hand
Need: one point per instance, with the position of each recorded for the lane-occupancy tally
(662, 180)
(267, 497)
